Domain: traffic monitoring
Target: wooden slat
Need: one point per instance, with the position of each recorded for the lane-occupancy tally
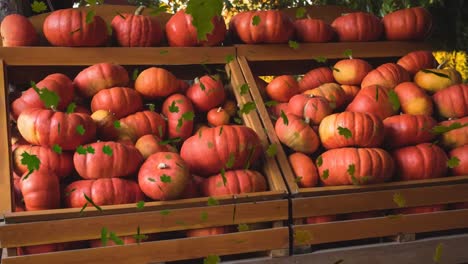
(46, 232)
(50, 56)
(5, 160)
(167, 250)
(379, 227)
(308, 51)
(379, 200)
(281, 157)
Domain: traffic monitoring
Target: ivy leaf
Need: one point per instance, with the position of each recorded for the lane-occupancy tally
(49, 98)
(92, 202)
(71, 108)
(453, 162)
(38, 6)
(393, 98)
(293, 44)
(255, 20)
(320, 59)
(211, 259)
(203, 12)
(57, 148)
(444, 129)
(443, 75)
(272, 150)
(271, 103)
(107, 150)
(173, 108)
(212, 201)
(302, 237)
(247, 107)
(438, 253)
(244, 89)
(348, 53)
(300, 12)
(165, 212)
(243, 227)
(325, 174)
(117, 124)
(345, 132)
(204, 216)
(399, 199)
(229, 58)
(284, 117)
(231, 160)
(140, 204)
(165, 178)
(90, 16)
(104, 236)
(32, 162)
(117, 240)
(319, 161)
(135, 74)
(80, 129)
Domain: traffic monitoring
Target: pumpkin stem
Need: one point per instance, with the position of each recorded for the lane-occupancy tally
(219, 109)
(139, 10)
(163, 166)
(442, 64)
(308, 16)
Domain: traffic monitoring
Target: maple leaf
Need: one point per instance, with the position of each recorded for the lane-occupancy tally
(320, 59)
(71, 108)
(325, 174)
(399, 199)
(165, 178)
(319, 161)
(212, 201)
(140, 204)
(32, 162)
(271, 103)
(173, 108)
(244, 89)
(57, 148)
(345, 132)
(229, 58)
(243, 227)
(80, 129)
(38, 6)
(90, 16)
(211, 259)
(247, 107)
(300, 12)
(293, 44)
(256, 20)
(203, 12)
(135, 74)
(394, 101)
(49, 98)
(107, 150)
(272, 150)
(453, 162)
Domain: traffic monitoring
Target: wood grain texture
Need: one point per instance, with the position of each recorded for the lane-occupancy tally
(166, 250)
(6, 192)
(378, 200)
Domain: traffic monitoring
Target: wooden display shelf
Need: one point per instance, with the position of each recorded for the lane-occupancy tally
(66, 225)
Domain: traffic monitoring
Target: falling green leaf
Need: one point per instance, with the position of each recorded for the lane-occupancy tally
(90, 16)
(151, 107)
(300, 12)
(212, 201)
(49, 98)
(135, 74)
(170, 141)
(38, 6)
(117, 240)
(348, 53)
(335, 69)
(444, 129)
(284, 117)
(107, 150)
(203, 12)
(271, 103)
(164, 212)
(57, 148)
(293, 44)
(244, 89)
(399, 200)
(165, 178)
(70, 192)
(83, 208)
(302, 237)
(345, 132)
(325, 174)
(71, 108)
(162, 52)
(231, 160)
(256, 20)
(75, 31)
(272, 150)
(443, 75)
(81, 150)
(223, 176)
(453, 162)
(32, 162)
(237, 120)
(221, 130)
(151, 179)
(229, 58)
(438, 253)
(320, 59)
(173, 108)
(160, 130)
(117, 124)
(247, 107)
(298, 179)
(92, 202)
(140, 204)
(393, 98)
(319, 161)
(202, 86)
(90, 149)
(104, 236)
(188, 116)
(243, 227)
(211, 259)
(80, 129)
(139, 236)
(204, 216)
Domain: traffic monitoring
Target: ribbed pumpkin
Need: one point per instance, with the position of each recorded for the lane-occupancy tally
(358, 26)
(373, 99)
(282, 88)
(313, 30)
(136, 30)
(273, 27)
(351, 91)
(41, 191)
(387, 75)
(150, 144)
(105, 125)
(296, 134)
(100, 76)
(109, 160)
(413, 99)
(417, 60)
(405, 130)
(345, 166)
(408, 24)
(16, 31)
(304, 170)
(206, 93)
(351, 71)
(48, 128)
(237, 182)
(422, 161)
(142, 123)
(312, 108)
(175, 107)
(456, 137)
(452, 102)
(57, 82)
(154, 83)
(315, 77)
(102, 192)
(351, 129)
(208, 151)
(71, 28)
(332, 92)
(434, 80)
(120, 101)
(460, 154)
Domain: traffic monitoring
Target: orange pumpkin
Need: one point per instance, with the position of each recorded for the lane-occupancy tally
(234, 182)
(417, 60)
(332, 92)
(16, 31)
(351, 71)
(457, 137)
(405, 130)
(218, 117)
(120, 101)
(282, 88)
(142, 123)
(296, 134)
(413, 99)
(315, 77)
(40, 190)
(387, 75)
(150, 144)
(304, 170)
(452, 102)
(357, 26)
(206, 93)
(175, 108)
(100, 76)
(313, 30)
(375, 100)
(408, 24)
(312, 108)
(105, 124)
(154, 83)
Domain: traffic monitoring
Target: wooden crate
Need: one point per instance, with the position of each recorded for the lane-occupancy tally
(63, 225)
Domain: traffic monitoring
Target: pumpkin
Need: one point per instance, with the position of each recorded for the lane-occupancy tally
(48, 128)
(407, 24)
(230, 106)
(218, 117)
(282, 88)
(304, 170)
(417, 60)
(351, 91)
(460, 154)
(296, 134)
(40, 190)
(98, 77)
(40, 249)
(51, 161)
(193, 188)
(312, 108)
(413, 100)
(180, 31)
(421, 209)
(164, 176)
(142, 123)
(422, 161)
(206, 93)
(315, 77)
(127, 240)
(375, 100)
(387, 75)
(313, 30)
(109, 191)
(345, 166)
(107, 159)
(351, 71)
(150, 144)
(351, 129)
(456, 137)
(321, 219)
(71, 28)
(275, 109)
(255, 27)
(434, 80)
(210, 231)
(452, 102)
(332, 92)
(106, 124)
(16, 31)
(179, 112)
(208, 151)
(357, 26)
(136, 30)
(405, 130)
(234, 182)
(120, 101)
(57, 83)
(154, 83)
